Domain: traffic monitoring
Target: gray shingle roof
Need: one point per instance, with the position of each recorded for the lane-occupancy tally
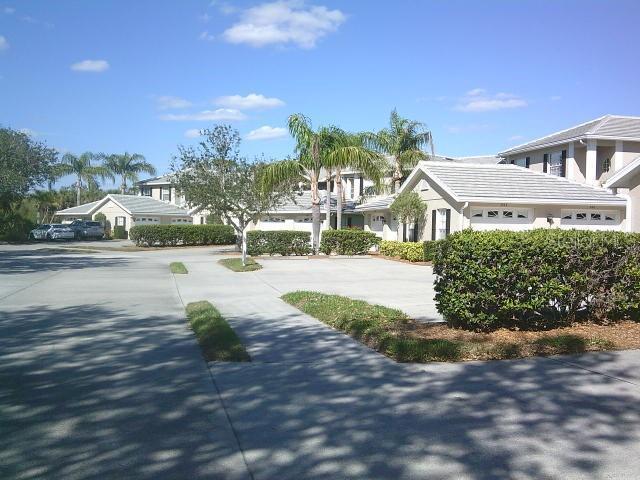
(84, 209)
(615, 126)
(161, 180)
(513, 184)
(381, 203)
(481, 159)
(141, 204)
(133, 203)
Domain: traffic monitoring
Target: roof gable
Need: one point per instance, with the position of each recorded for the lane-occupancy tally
(510, 183)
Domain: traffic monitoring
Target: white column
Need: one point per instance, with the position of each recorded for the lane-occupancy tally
(591, 162)
(571, 161)
(618, 157)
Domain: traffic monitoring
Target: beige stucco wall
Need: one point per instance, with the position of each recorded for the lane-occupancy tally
(436, 199)
(111, 210)
(634, 199)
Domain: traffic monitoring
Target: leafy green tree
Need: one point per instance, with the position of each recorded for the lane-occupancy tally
(24, 164)
(403, 140)
(85, 172)
(127, 166)
(348, 150)
(213, 177)
(408, 207)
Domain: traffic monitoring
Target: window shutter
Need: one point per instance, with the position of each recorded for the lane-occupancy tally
(433, 224)
(545, 163)
(564, 163)
(416, 232)
(527, 161)
(448, 227)
(361, 186)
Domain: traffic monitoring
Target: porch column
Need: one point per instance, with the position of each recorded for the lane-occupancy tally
(571, 161)
(618, 156)
(591, 162)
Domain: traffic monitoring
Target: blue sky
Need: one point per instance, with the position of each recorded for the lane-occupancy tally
(143, 76)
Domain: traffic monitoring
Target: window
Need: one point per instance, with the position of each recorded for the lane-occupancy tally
(521, 162)
(181, 220)
(121, 221)
(303, 220)
(352, 187)
(273, 219)
(378, 218)
(166, 194)
(443, 227)
(505, 214)
(146, 191)
(593, 217)
(606, 165)
(556, 163)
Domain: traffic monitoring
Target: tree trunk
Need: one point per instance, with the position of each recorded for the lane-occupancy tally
(244, 246)
(328, 201)
(339, 194)
(123, 187)
(397, 176)
(315, 217)
(78, 187)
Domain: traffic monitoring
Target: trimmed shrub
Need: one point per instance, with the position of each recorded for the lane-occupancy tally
(278, 242)
(184, 235)
(537, 279)
(119, 232)
(412, 251)
(15, 227)
(348, 242)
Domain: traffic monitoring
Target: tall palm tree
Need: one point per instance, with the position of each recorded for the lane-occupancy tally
(86, 174)
(348, 150)
(127, 166)
(403, 140)
(311, 146)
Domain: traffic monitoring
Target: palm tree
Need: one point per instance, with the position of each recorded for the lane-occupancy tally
(86, 174)
(127, 166)
(403, 141)
(310, 146)
(349, 151)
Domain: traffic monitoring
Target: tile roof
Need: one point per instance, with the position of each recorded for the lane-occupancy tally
(161, 180)
(379, 203)
(84, 209)
(513, 184)
(612, 126)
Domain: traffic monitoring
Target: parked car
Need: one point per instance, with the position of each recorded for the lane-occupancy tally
(58, 231)
(87, 229)
(40, 232)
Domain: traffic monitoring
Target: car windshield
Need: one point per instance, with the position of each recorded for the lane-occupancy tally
(57, 225)
(93, 224)
(44, 227)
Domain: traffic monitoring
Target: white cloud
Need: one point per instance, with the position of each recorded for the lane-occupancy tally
(9, 10)
(284, 22)
(95, 66)
(192, 133)
(206, 36)
(167, 102)
(479, 100)
(4, 44)
(266, 133)
(250, 102)
(220, 114)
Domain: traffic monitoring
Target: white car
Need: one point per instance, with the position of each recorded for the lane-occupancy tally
(60, 232)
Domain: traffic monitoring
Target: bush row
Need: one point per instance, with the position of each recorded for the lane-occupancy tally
(348, 242)
(278, 242)
(412, 251)
(172, 235)
(537, 279)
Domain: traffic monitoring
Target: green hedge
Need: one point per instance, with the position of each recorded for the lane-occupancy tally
(537, 279)
(278, 242)
(119, 232)
(412, 251)
(348, 242)
(172, 235)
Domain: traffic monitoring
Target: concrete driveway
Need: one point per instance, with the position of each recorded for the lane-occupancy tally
(101, 379)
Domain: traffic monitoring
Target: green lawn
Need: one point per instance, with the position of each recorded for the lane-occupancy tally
(178, 267)
(217, 339)
(235, 264)
(381, 328)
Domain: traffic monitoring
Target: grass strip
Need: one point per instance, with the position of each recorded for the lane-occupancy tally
(392, 333)
(178, 267)
(235, 264)
(217, 339)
